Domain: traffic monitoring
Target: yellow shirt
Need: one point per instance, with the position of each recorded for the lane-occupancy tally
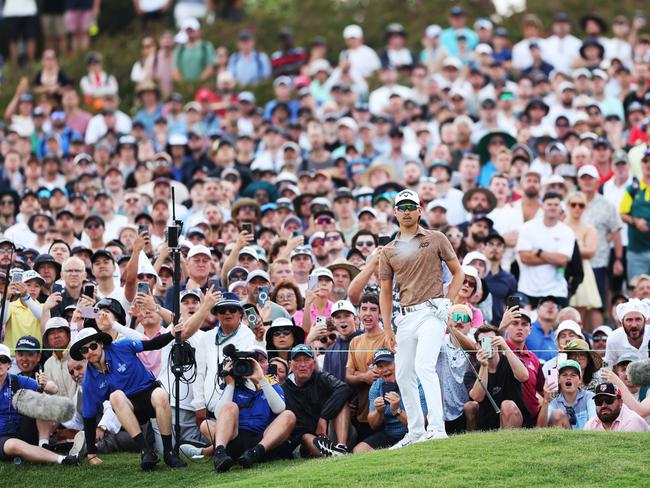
(21, 322)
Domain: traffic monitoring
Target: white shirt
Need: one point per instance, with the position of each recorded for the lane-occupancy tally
(456, 213)
(21, 235)
(618, 345)
(19, 8)
(97, 127)
(618, 48)
(379, 98)
(615, 194)
(544, 279)
(521, 58)
(506, 219)
(561, 51)
(209, 356)
(363, 60)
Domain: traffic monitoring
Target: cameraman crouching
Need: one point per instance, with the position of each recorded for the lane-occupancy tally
(252, 424)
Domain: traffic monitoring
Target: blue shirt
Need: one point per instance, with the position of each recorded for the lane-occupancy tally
(9, 417)
(449, 40)
(125, 372)
(392, 425)
(148, 119)
(487, 172)
(542, 345)
(501, 285)
(249, 69)
(336, 356)
(584, 407)
(255, 414)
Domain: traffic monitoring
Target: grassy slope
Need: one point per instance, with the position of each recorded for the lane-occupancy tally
(517, 458)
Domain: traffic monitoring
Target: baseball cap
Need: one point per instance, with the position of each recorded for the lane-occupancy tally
(433, 30)
(190, 23)
(343, 305)
(608, 389)
(30, 274)
(588, 170)
(433, 204)
(570, 363)
(4, 351)
(407, 196)
(620, 156)
(301, 250)
(351, 31)
(383, 355)
(200, 249)
(28, 343)
(302, 349)
(568, 325)
(190, 293)
(322, 272)
(101, 253)
(627, 358)
(605, 329)
(258, 273)
(227, 300)
(249, 250)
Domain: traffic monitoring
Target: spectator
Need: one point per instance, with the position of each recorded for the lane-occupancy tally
(151, 11)
(361, 59)
(51, 79)
(289, 60)
(53, 26)
(346, 321)
(634, 334)
(542, 338)
(612, 414)
(21, 18)
(194, 59)
(248, 65)
(78, 17)
(97, 84)
(23, 314)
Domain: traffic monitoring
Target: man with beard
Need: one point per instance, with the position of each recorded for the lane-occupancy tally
(509, 219)
(343, 273)
(317, 243)
(633, 336)
(478, 201)
(545, 248)
(612, 415)
(501, 283)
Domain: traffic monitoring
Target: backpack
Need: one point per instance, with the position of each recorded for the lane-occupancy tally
(204, 52)
(574, 272)
(258, 62)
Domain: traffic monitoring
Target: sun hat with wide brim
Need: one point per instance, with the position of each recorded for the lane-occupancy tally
(378, 166)
(284, 323)
(84, 337)
(482, 146)
(492, 200)
(580, 345)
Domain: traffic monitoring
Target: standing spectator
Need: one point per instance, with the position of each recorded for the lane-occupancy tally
(248, 65)
(457, 29)
(289, 59)
(562, 48)
(193, 60)
(633, 336)
(79, 16)
(544, 251)
(635, 211)
(542, 336)
(501, 283)
(21, 20)
(53, 25)
(191, 9)
(395, 54)
(361, 59)
(151, 11)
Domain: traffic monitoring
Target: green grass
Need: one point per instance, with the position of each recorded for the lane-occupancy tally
(515, 458)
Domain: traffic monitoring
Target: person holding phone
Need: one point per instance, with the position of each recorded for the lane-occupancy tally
(23, 313)
(386, 413)
(414, 261)
(258, 285)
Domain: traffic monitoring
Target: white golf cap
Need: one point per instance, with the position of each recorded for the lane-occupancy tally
(407, 196)
(605, 329)
(190, 23)
(568, 325)
(589, 170)
(258, 273)
(566, 85)
(433, 204)
(343, 305)
(196, 250)
(483, 49)
(369, 210)
(30, 274)
(451, 61)
(4, 351)
(474, 255)
(351, 31)
(433, 30)
(56, 323)
(470, 271)
(322, 273)
(348, 122)
(249, 250)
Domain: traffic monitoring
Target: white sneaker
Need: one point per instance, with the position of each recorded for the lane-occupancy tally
(407, 440)
(79, 445)
(431, 435)
(191, 451)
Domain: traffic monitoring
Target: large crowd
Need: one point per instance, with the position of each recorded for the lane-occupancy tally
(528, 157)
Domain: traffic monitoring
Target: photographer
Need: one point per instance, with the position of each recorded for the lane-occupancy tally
(22, 315)
(251, 424)
(114, 372)
(503, 374)
(11, 442)
(316, 398)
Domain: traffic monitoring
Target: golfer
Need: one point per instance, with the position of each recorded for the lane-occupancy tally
(415, 259)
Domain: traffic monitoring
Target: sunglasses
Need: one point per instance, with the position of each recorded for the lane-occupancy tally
(469, 282)
(333, 238)
(365, 243)
(325, 339)
(229, 310)
(455, 236)
(607, 401)
(577, 205)
(497, 142)
(90, 347)
(407, 208)
(92, 226)
(318, 243)
(571, 413)
(5, 360)
(599, 339)
(323, 220)
(7, 202)
(282, 332)
(463, 317)
(132, 200)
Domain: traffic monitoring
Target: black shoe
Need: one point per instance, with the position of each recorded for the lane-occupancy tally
(222, 462)
(327, 448)
(71, 461)
(148, 460)
(173, 461)
(251, 456)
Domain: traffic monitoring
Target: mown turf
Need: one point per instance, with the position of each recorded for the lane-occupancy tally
(516, 458)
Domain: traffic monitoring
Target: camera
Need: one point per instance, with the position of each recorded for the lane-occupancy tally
(241, 364)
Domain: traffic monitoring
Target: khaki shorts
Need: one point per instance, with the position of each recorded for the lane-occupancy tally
(52, 25)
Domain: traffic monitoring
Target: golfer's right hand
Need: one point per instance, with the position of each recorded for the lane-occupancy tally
(391, 342)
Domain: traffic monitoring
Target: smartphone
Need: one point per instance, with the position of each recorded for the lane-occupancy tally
(384, 240)
(313, 282)
(247, 227)
(561, 357)
(143, 287)
(262, 296)
(553, 376)
(486, 345)
(251, 317)
(88, 312)
(512, 301)
(214, 283)
(295, 233)
(89, 290)
(387, 387)
(57, 288)
(273, 370)
(143, 229)
(320, 320)
(17, 276)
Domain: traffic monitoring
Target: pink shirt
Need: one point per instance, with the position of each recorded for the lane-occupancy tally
(299, 315)
(627, 421)
(151, 359)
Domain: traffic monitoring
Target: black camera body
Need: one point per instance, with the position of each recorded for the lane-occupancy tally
(241, 364)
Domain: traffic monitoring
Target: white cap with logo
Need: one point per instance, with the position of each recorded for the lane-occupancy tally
(407, 196)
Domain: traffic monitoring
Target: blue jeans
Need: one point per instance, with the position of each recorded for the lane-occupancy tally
(638, 263)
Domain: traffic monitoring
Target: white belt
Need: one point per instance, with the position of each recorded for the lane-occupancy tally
(431, 303)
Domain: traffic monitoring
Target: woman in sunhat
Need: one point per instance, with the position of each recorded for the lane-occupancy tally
(282, 336)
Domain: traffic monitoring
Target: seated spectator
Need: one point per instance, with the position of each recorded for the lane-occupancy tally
(590, 362)
(503, 375)
(57, 337)
(97, 83)
(574, 405)
(316, 399)
(612, 414)
(386, 414)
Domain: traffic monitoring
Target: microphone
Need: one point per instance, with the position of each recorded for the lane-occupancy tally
(229, 350)
(40, 406)
(638, 372)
